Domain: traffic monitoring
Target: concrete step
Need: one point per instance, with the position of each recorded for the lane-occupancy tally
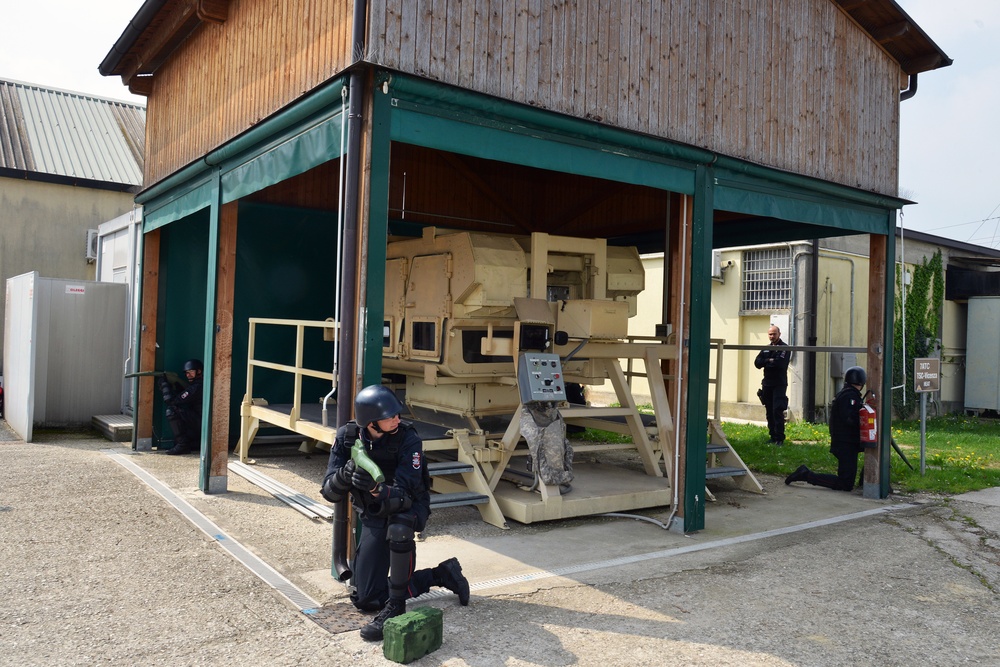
(116, 428)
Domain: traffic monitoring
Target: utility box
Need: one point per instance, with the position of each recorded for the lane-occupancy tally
(982, 377)
(64, 351)
(840, 362)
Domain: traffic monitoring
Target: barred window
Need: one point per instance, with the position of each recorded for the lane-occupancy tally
(767, 280)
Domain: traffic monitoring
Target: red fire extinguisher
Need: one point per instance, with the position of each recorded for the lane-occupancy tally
(869, 423)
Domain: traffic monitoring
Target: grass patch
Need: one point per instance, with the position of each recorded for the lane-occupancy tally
(962, 453)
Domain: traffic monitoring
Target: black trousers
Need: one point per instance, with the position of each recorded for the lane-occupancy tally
(371, 569)
(775, 402)
(847, 471)
(186, 425)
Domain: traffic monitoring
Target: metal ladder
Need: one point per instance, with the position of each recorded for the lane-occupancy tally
(723, 461)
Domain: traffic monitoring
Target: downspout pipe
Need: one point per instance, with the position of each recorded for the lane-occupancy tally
(811, 338)
(349, 271)
(911, 89)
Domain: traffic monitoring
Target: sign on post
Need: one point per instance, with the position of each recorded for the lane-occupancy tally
(926, 378)
(926, 375)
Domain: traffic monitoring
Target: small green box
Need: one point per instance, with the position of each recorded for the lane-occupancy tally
(412, 635)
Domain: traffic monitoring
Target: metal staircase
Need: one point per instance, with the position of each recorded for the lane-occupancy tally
(723, 461)
(455, 498)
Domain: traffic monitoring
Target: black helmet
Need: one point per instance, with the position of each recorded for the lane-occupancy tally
(374, 403)
(193, 365)
(855, 375)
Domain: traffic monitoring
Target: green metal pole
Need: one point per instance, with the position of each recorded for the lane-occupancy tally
(700, 309)
(205, 482)
(378, 231)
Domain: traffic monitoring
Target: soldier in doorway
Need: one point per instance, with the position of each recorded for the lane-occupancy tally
(184, 408)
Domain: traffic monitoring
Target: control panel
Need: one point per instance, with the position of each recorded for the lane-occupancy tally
(540, 377)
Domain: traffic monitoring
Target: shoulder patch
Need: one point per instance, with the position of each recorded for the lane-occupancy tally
(416, 461)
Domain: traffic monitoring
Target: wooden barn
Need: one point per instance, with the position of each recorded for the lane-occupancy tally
(288, 145)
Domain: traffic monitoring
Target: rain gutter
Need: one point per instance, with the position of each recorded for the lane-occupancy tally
(132, 32)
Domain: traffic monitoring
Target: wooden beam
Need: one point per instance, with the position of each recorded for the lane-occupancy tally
(876, 349)
(160, 41)
(891, 32)
(214, 11)
(225, 290)
(140, 85)
(680, 303)
(147, 336)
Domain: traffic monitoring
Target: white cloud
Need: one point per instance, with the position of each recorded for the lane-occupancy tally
(60, 43)
(948, 137)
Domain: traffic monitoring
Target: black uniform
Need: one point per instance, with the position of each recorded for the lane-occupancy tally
(845, 443)
(184, 407)
(774, 360)
(404, 501)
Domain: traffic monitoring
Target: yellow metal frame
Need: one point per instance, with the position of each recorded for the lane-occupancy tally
(253, 411)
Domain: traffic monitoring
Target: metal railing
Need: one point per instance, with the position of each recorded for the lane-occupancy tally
(720, 346)
(296, 370)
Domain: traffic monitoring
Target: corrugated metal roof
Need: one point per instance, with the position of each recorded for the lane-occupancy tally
(72, 135)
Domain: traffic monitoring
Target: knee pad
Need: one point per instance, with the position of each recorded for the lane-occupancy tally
(400, 537)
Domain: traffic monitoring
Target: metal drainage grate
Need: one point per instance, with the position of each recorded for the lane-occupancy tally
(338, 617)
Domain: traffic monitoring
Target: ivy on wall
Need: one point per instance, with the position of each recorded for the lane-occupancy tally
(923, 303)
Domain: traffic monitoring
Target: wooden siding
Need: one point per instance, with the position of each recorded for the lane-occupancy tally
(227, 77)
(792, 84)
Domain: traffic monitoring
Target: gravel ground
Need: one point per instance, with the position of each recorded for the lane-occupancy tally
(97, 569)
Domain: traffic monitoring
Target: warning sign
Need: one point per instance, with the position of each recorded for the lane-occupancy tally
(927, 374)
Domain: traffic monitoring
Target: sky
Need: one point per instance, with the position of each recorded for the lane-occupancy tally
(949, 144)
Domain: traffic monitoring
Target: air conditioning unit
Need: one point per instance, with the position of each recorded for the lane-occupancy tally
(91, 245)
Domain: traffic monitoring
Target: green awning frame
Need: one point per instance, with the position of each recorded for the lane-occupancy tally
(293, 141)
(416, 111)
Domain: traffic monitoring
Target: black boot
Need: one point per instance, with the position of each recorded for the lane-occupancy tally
(797, 476)
(373, 631)
(449, 574)
(181, 446)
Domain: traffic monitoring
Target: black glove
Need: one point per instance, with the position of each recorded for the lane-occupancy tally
(361, 480)
(336, 486)
(166, 390)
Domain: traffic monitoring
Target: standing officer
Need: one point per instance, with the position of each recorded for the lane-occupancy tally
(774, 386)
(184, 408)
(845, 436)
(391, 511)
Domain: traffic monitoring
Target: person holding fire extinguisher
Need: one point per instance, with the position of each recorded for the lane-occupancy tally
(845, 436)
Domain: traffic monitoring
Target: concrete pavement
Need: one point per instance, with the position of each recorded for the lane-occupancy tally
(100, 567)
